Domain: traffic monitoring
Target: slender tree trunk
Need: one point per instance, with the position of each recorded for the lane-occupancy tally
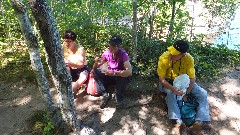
(62, 79)
(151, 19)
(33, 49)
(134, 36)
(172, 19)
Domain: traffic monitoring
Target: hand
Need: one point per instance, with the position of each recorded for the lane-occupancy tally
(108, 72)
(177, 92)
(97, 59)
(185, 97)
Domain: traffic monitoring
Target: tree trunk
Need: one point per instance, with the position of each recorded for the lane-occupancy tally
(33, 49)
(134, 36)
(172, 19)
(54, 56)
(151, 20)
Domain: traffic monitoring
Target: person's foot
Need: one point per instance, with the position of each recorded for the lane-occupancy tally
(183, 129)
(105, 100)
(196, 128)
(179, 129)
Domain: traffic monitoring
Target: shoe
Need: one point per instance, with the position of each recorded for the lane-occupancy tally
(196, 128)
(183, 129)
(179, 129)
(105, 100)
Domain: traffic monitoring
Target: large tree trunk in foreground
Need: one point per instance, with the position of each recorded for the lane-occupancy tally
(32, 44)
(62, 79)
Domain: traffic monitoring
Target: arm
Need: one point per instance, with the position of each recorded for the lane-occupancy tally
(124, 73)
(127, 72)
(169, 86)
(98, 62)
(192, 82)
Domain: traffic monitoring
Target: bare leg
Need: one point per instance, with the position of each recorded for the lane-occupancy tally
(82, 78)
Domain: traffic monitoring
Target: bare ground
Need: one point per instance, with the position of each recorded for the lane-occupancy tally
(144, 114)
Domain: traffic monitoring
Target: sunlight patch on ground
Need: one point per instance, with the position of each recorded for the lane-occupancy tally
(158, 130)
(231, 109)
(227, 109)
(226, 132)
(22, 101)
(143, 113)
(236, 124)
(231, 84)
(157, 127)
(145, 99)
(130, 127)
(107, 115)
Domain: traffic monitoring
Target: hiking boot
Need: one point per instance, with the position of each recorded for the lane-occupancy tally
(183, 129)
(179, 129)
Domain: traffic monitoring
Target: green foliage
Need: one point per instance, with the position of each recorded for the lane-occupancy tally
(95, 21)
(41, 124)
(210, 61)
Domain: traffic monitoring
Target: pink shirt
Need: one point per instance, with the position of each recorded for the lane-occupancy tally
(118, 63)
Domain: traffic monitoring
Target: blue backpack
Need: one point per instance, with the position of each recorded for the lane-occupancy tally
(188, 110)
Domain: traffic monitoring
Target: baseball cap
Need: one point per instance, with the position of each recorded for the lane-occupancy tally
(115, 40)
(179, 47)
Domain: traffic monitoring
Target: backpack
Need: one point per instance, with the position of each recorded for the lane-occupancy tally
(94, 87)
(188, 110)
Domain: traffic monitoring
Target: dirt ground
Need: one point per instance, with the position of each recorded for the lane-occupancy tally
(144, 114)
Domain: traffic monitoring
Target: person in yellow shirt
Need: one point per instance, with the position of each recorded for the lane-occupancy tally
(75, 60)
(172, 63)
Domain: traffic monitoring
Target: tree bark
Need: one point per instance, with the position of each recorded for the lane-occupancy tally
(172, 19)
(151, 20)
(54, 56)
(33, 49)
(134, 36)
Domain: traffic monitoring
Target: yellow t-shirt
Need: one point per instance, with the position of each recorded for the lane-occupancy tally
(169, 69)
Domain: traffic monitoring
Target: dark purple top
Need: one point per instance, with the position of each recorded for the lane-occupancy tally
(118, 63)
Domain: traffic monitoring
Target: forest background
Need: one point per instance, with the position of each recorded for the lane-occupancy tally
(147, 27)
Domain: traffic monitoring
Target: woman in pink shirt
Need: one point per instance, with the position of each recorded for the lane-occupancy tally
(118, 69)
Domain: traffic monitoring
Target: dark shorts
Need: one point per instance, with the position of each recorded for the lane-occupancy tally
(76, 72)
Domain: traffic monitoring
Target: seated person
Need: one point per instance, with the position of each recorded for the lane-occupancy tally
(172, 63)
(75, 59)
(118, 71)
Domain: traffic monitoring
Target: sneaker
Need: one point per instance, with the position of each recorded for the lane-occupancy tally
(105, 100)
